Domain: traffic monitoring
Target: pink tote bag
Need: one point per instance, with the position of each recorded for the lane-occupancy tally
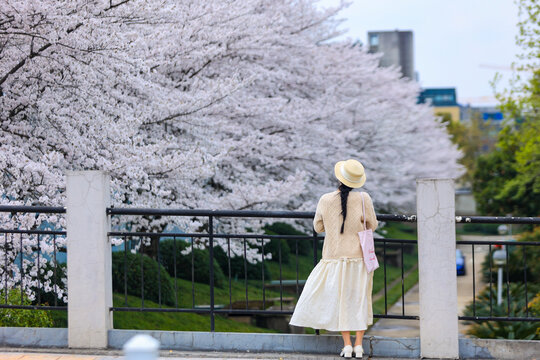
(368, 246)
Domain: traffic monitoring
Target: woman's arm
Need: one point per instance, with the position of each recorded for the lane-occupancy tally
(318, 224)
(371, 217)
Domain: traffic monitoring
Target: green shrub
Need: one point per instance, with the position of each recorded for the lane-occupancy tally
(505, 329)
(201, 263)
(305, 247)
(273, 247)
(254, 271)
(151, 286)
(20, 317)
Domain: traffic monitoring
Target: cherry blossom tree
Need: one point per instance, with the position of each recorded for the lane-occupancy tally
(213, 104)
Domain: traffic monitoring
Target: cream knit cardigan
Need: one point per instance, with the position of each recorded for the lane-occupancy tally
(328, 219)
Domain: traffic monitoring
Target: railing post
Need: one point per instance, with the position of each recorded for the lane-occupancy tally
(437, 268)
(211, 250)
(315, 246)
(88, 259)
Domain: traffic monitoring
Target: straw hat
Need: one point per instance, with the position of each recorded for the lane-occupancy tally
(350, 172)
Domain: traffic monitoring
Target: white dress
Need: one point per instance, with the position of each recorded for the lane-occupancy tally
(337, 293)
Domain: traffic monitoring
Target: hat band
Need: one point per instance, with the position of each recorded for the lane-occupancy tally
(346, 176)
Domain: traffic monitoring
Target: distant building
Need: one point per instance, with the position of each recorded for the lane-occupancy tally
(486, 113)
(443, 100)
(397, 49)
(491, 121)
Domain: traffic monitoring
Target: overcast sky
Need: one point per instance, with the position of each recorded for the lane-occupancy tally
(457, 43)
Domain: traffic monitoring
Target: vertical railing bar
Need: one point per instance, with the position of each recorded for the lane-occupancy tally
(55, 271)
(385, 287)
(280, 277)
(38, 268)
(6, 266)
(141, 255)
(317, 332)
(262, 264)
(245, 274)
(22, 270)
(473, 281)
(175, 277)
(125, 271)
(211, 248)
(525, 281)
(192, 275)
(230, 272)
(314, 248)
(402, 284)
(490, 282)
(507, 282)
(297, 287)
(159, 268)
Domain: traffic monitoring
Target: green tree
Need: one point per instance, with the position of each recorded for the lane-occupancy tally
(507, 180)
(469, 138)
(19, 317)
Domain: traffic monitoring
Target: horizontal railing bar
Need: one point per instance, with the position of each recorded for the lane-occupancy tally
(289, 312)
(239, 213)
(494, 318)
(202, 310)
(397, 241)
(33, 209)
(498, 242)
(497, 220)
(256, 213)
(169, 310)
(215, 213)
(39, 232)
(240, 236)
(238, 312)
(225, 236)
(32, 307)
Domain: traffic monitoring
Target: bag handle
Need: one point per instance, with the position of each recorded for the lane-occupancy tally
(363, 211)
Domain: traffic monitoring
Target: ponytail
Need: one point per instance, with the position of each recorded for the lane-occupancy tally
(344, 194)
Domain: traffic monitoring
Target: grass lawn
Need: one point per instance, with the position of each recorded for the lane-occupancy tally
(394, 294)
(173, 321)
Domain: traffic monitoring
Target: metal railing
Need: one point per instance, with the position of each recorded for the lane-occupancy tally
(35, 238)
(24, 263)
(522, 245)
(212, 236)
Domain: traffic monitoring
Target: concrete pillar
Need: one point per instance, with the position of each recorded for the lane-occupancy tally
(437, 268)
(88, 259)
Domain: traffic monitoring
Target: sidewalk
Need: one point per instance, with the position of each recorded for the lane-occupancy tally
(68, 354)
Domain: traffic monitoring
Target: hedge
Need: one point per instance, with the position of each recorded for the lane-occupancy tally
(151, 285)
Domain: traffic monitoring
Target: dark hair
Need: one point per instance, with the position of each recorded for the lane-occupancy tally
(344, 194)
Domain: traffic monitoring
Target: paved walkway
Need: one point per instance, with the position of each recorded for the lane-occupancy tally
(66, 354)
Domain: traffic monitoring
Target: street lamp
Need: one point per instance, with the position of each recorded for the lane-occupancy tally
(499, 258)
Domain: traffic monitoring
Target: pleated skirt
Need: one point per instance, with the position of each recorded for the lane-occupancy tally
(336, 297)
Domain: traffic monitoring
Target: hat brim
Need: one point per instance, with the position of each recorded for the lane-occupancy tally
(339, 176)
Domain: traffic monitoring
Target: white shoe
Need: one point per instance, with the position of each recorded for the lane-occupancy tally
(358, 351)
(346, 352)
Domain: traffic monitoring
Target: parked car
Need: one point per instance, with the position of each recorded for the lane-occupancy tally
(460, 263)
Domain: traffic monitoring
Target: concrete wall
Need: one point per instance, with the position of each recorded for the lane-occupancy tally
(287, 343)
